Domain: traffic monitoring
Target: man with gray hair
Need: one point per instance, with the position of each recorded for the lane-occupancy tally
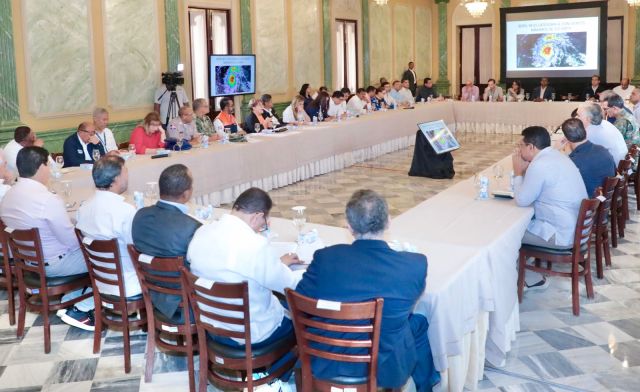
(101, 121)
(634, 100)
(602, 132)
(107, 215)
(397, 277)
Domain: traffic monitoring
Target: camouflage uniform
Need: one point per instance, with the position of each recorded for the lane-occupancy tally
(204, 125)
(628, 127)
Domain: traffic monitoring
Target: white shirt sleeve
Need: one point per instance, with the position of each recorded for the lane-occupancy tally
(58, 220)
(529, 187)
(271, 273)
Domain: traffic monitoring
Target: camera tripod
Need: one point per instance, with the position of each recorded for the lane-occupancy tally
(174, 104)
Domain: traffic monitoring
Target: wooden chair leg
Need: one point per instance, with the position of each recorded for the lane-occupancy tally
(621, 222)
(127, 342)
(607, 251)
(575, 294)
(521, 268)
(190, 364)
(588, 282)
(22, 313)
(204, 365)
(599, 246)
(47, 329)
(97, 333)
(614, 228)
(11, 302)
(151, 351)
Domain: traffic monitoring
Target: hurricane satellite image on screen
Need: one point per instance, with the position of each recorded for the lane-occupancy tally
(233, 79)
(552, 50)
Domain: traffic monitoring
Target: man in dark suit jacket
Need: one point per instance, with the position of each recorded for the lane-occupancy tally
(78, 148)
(165, 229)
(410, 75)
(594, 89)
(543, 89)
(397, 277)
(269, 111)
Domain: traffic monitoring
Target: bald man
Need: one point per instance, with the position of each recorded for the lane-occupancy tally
(470, 93)
(624, 89)
(78, 148)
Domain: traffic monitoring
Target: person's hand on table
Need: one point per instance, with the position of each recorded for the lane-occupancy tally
(289, 259)
(214, 137)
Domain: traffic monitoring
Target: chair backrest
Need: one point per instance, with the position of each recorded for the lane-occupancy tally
(586, 221)
(5, 269)
(26, 248)
(606, 191)
(159, 274)
(319, 325)
(624, 166)
(103, 262)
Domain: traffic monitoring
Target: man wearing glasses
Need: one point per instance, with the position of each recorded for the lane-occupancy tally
(233, 250)
(79, 147)
(548, 180)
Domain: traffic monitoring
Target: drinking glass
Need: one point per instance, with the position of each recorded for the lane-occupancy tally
(553, 96)
(498, 172)
(60, 161)
(132, 149)
(526, 96)
(256, 127)
(180, 141)
(96, 155)
(65, 189)
(299, 218)
(151, 191)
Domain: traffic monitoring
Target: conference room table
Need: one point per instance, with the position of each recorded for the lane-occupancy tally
(471, 245)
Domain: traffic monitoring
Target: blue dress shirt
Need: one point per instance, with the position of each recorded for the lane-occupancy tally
(595, 164)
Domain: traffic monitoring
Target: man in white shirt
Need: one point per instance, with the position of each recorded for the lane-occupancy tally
(391, 102)
(602, 132)
(492, 93)
(104, 134)
(183, 123)
(624, 89)
(23, 136)
(161, 103)
(107, 215)
(634, 99)
(232, 250)
(335, 105)
(548, 180)
(6, 177)
(401, 95)
(29, 204)
(357, 105)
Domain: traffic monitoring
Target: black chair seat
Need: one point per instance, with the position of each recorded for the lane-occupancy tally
(553, 251)
(115, 298)
(346, 380)
(239, 352)
(32, 279)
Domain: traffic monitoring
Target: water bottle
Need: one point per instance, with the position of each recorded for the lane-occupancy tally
(205, 141)
(172, 129)
(320, 117)
(512, 180)
(315, 120)
(484, 188)
(138, 199)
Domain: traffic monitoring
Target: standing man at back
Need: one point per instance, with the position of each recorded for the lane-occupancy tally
(410, 75)
(397, 277)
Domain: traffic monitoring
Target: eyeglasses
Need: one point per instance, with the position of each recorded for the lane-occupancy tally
(266, 223)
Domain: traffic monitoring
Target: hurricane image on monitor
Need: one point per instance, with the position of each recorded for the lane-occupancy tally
(233, 79)
(555, 50)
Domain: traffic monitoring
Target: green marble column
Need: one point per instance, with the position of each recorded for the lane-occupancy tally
(9, 108)
(247, 48)
(366, 51)
(636, 51)
(172, 33)
(563, 1)
(326, 40)
(506, 3)
(443, 84)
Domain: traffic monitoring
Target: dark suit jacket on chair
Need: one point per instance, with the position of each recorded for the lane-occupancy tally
(398, 277)
(73, 153)
(547, 93)
(413, 83)
(162, 230)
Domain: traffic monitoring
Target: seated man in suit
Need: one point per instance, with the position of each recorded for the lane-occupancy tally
(594, 89)
(269, 111)
(165, 229)
(78, 148)
(397, 277)
(543, 92)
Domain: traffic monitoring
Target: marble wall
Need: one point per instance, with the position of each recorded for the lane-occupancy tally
(307, 42)
(131, 52)
(403, 39)
(423, 42)
(271, 46)
(58, 56)
(380, 36)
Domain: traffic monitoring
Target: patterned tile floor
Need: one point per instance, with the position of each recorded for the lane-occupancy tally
(554, 351)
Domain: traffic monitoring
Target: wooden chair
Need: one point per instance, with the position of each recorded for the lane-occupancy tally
(624, 169)
(37, 291)
(601, 229)
(620, 204)
(312, 321)
(8, 275)
(162, 275)
(213, 302)
(634, 178)
(578, 256)
(105, 269)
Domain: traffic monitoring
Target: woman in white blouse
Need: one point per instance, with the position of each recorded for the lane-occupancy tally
(295, 113)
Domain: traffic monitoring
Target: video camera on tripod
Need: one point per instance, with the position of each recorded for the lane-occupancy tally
(172, 80)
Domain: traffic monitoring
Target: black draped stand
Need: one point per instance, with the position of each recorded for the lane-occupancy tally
(426, 163)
